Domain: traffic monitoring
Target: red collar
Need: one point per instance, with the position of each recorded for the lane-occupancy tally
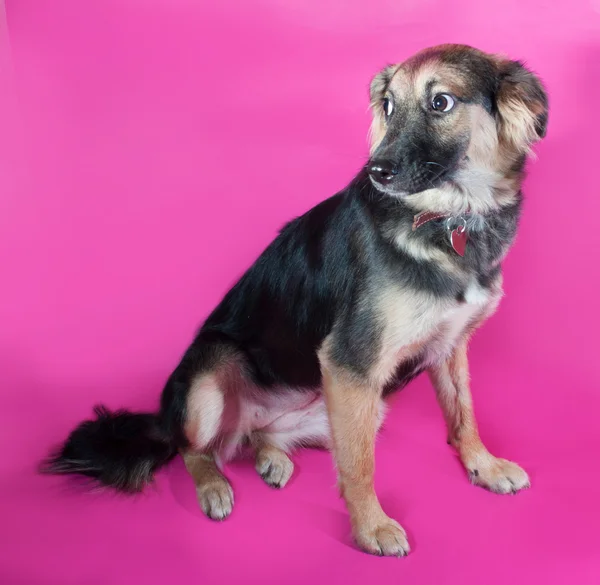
(458, 236)
(426, 216)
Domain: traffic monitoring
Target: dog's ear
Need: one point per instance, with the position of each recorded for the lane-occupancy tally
(378, 87)
(521, 104)
(380, 82)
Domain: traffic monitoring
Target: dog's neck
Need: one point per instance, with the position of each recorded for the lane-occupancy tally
(479, 192)
(473, 194)
(394, 219)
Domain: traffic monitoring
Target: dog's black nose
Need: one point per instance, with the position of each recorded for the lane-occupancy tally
(383, 171)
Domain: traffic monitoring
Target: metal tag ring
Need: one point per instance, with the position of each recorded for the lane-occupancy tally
(461, 227)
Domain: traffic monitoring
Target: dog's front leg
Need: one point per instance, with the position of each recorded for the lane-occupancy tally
(451, 382)
(353, 407)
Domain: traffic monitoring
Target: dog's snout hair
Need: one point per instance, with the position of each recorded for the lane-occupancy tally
(468, 152)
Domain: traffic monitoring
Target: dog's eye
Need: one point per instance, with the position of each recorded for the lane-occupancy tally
(442, 102)
(388, 107)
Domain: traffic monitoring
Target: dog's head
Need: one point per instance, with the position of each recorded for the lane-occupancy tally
(452, 127)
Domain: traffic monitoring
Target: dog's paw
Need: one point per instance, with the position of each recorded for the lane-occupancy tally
(216, 499)
(275, 467)
(499, 476)
(385, 538)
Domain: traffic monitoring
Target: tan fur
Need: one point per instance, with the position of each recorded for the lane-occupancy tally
(214, 492)
(518, 123)
(517, 114)
(353, 408)
(415, 322)
(378, 128)
(402, 238)
(403, 336)
(272, 464)
(451, 382)
(205, 408)
(213, 405)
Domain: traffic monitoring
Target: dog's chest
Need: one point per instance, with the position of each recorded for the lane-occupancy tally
(427, 325)
(456, 319)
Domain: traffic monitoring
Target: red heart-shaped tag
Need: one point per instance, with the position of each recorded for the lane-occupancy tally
(458, 239)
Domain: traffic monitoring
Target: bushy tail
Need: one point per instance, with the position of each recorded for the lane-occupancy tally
(119, 449)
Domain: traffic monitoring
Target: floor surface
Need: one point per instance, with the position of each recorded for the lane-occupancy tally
(148, 152)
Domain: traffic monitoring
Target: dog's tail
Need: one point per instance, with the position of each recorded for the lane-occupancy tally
(118, 449)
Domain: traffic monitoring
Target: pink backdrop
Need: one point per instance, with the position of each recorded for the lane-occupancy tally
(138, 143)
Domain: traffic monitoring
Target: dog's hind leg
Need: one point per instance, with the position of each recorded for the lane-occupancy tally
(211, 409)
(214, 491)
(272, 463)
(303, 422)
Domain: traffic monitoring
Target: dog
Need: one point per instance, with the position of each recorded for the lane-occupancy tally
(383, 281)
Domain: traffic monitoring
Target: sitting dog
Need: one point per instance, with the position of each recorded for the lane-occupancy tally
(383, 281)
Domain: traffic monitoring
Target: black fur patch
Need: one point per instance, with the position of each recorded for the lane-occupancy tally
(119, 449)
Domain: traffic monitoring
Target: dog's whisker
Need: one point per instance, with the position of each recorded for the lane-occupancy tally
(437, 164)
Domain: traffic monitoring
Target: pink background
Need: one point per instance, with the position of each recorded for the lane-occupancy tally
(149, 150)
